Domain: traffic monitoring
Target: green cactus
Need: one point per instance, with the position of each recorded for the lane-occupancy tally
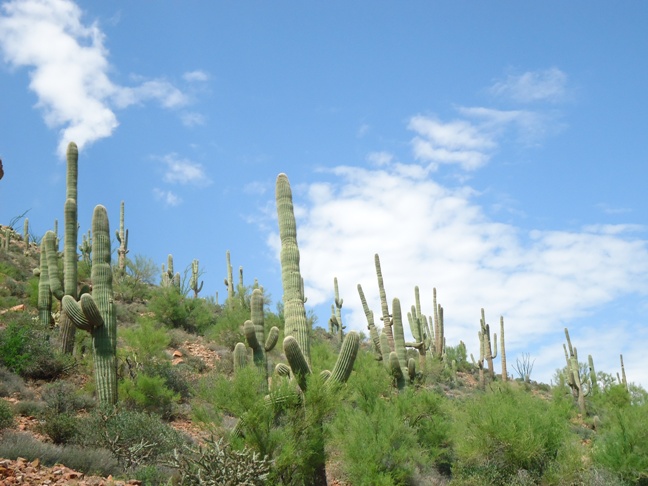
(338, 309)
(195, 274)
(503, 350)
(122, 238)
(592, 373)
(96, 313)
(26, 233)
(240, 357)
(371, 326)
(490, 351)
(296, 323)
(386, 318)
(44, 293)
(229, 281)
(70, 241)
(255, 332)
(573, 374)
(170, 279)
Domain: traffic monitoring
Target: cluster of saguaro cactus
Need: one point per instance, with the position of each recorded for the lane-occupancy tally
(574, 378)
(254, 329)
(170, 279)
(95, 312)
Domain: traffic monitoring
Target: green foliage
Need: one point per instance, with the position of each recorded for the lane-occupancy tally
(622, 442)
(146, 340)
(12, 384)
(228, 327)
(6, 415)
(25, 349)
(218, 463)
(505, 431)
(61, 428)
(149, 394)
(376, 446)
(171, 308)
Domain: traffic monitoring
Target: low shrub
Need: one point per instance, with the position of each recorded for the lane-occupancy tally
(6, 415)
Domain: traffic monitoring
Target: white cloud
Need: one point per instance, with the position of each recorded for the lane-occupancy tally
(167, 197)
(543, 85)
(183, 171)
(196, 76)
(435, 236)
(69, 70)
(192, 119)
(380, 158)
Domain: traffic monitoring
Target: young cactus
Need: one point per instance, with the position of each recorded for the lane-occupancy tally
(195, 274)
(122, 238)
(255, 332)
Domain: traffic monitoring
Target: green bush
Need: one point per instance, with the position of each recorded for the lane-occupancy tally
(622, 442)
(171, 308)
(25, 349)
(505, 431)
(60, 427)
(149, 394)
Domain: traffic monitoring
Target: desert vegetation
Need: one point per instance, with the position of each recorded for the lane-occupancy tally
(163, 385)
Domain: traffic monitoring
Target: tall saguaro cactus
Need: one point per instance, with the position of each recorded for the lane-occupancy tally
(122, 238)
(96, 313)
(386, 318)
(70, 257)
(255, 332)
(296, 324)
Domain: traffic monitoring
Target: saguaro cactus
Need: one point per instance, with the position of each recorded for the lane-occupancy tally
(195, 274)
(96, 313)
(255, 332)
(373, 331)
(70, 257)
(122, 238)
(386, 317)
(296, 323)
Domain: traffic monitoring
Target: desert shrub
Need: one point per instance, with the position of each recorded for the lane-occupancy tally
(25, 349)
(134, 438)
(149, 394)
(228, 327)
(504, 431)
(174, 378)
(12, 384)
(218, 463)
(622, 442)
(6, 415)
(377, 446)
(84, 459)
(60, 427)
(173, 309)
(146, 340)
(64, 397)
(30, 408)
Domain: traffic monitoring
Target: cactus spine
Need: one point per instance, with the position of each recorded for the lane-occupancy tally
(296, 324)
(96, 313)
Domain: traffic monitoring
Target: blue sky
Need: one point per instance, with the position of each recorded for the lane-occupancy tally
(493, 150)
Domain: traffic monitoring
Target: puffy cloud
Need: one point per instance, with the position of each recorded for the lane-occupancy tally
(69, 70)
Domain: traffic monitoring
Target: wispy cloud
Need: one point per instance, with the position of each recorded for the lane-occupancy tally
(196, 76)
(531, 86)
(168, 198)
(192, 119)
(179, 170)
(69, 69)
